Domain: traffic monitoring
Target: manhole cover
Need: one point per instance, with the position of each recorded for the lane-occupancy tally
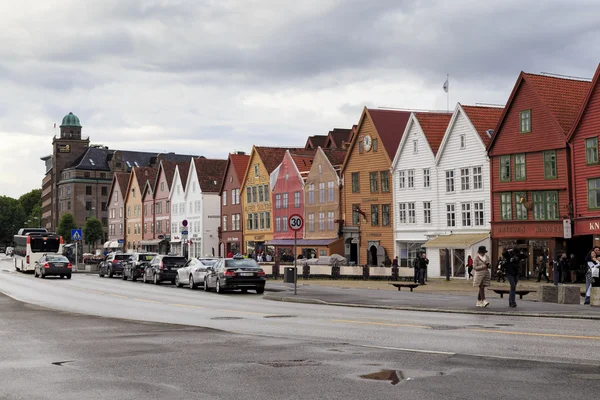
(226, 318)
(279, 316)
(290, 363)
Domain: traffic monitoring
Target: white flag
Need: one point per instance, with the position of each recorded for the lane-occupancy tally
(446, 86)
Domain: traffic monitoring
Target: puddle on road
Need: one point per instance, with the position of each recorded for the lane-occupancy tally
(396, 376)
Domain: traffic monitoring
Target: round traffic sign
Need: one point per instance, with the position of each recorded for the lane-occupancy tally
(296, 222)
(184, 222)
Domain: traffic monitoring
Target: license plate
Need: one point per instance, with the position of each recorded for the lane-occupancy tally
(59, 265)
(246, 274)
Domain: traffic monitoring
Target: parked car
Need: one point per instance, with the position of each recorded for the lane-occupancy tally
(113, 264)
(193, 272)
(235, 273)
(163, 268)
(134, 268)
(53, 265)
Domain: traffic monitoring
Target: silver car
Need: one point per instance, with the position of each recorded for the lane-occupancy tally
(194, 271)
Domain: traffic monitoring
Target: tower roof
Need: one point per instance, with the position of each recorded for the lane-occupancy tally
(70, 120)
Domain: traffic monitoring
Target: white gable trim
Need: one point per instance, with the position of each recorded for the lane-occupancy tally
(412, 120)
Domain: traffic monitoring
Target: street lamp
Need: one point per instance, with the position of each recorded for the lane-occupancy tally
(92, 208)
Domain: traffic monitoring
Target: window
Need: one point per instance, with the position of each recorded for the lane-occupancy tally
(411, 178)
(412, 218)
(450, 181)
(277, 224)
(145, 228)
(374, 182)
(401, 179)
(104, 206)
(591, 150)
(256, 170)
(374, 215)
(261, 197)
(355, 182)
(254, 194)
(463, 142)
(427, 212)
(479, 216)
(361, 148)
(285, 200)
(550, 164)
(262, 220)
(466, 214)
(415, 147)
(465, 183)
(525, 121)
(224, 196)
(104, 191)
(477, 178)
(233, 196)
(330, 191)
(545, 205)
(505, 206)
(330, 220)
(88, 190)
(86, 174)
(68, 190)
(426, 178)
(374, 145)
(520, 170)
(505, 168)
(320, 169)
(224, 223)
(145, 210)
(311, 222)
(162, 186)
(297, 199)
(450, 215)
(321, 221)
(311, 193)
(355, 214)
(321, 192)
(88, 205)
(248, 195)
(385, 181)
(266, 191)
(520, 209)
(385, 215)
(593, 193)
(402, 213)
(277, 201)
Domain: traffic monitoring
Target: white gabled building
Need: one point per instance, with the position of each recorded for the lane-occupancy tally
(178, 207)
(463, 182)
(414, 185)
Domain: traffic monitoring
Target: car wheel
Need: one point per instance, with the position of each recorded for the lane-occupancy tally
(100, 273)
(62, 276)
(68, 276)
(206, 289)
(192, 283)
(35, 274)
(177, 283)
(155, 278)
(260, 290)
(144, 279)
(110, 273)
(218, 287)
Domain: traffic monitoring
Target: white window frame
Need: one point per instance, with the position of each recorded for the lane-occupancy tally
(466, 213)
(411, 179)
(477, 178)
(479, 213)
(450, 181)
(450, 215)
(401, 179)
(465, 179)
(402, 213)
(412, 215)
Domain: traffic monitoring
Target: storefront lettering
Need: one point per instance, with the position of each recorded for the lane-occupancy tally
(594, 226)
(374, 234)
(259, 238)
(511, 229)
(233, 239)
(548, 229)
(367, 200)
(214, 216)
(257, 207)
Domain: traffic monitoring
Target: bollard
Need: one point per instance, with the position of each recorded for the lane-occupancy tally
(569, 294)
(549, 293)
(595, 296)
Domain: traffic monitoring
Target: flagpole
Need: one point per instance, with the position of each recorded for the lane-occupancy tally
(448, 93)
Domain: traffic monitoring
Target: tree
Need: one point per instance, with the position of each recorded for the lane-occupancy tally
(93, 230)
(12, 218)
(65, 225)
(30, 200)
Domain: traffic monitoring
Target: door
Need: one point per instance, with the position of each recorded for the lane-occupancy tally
(458, 262)
(443, 261)
(372, 255)
(354, 253)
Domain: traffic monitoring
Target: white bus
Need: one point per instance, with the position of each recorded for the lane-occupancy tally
(31, 246)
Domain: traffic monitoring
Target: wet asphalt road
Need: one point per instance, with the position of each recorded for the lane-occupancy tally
(271, 350)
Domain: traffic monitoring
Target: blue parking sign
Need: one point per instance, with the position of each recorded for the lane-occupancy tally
(76, 235)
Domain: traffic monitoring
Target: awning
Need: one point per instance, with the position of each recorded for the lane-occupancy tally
(153, 242)
(456, 240)
(301, 242)
(111, 244)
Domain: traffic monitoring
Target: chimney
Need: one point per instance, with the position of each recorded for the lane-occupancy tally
(240, 153)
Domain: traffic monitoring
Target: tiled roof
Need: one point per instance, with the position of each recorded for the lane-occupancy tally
(145, 174)
(169, 169)
(303, 162)
(336, 156)
(563, 97)
(210, 174)
(593, 87)
(184, 171)
(316, 141)
(95, 159)
(122, 181)
(172, 157)
(273, 156)
(240, 164)
(483, 119)
(338, 136)
(434, 127)
(390, 125)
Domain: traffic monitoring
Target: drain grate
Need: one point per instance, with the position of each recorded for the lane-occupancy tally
(290, 363)
(226, 318)
(279, 316)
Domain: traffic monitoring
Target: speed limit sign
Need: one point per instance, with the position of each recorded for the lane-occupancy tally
(296, 222)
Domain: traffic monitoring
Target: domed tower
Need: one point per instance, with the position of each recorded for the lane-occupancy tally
(70, 127)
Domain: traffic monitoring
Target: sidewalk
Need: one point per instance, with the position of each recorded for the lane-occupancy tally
(455, 296)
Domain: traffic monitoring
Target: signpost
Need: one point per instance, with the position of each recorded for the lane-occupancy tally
(76, 235)
(296, 223)
(185, 250)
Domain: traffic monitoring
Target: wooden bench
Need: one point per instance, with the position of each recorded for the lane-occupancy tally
(521, 293)
(405, 285)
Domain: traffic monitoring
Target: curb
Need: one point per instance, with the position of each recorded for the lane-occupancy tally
(422, 309)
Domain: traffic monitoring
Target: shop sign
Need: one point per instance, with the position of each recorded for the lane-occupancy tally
(63, 148)
(567, 234)
(373, 234)
(233, 239)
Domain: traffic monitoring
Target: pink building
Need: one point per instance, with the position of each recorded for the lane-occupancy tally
(148, 243)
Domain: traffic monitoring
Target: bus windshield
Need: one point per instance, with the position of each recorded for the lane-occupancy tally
(44, 245)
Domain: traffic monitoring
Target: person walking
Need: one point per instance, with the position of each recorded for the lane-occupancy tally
(470, 267)
(542, 269)
(482, 278)
(423, 262)
(500, 269)
(592, 262)
(415, 266)
(511, 268)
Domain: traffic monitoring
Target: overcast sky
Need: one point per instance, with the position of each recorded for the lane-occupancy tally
(211, 76)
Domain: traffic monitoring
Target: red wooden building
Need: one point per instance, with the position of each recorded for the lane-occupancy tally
(231, 237)
(530, 166)
(583, 140)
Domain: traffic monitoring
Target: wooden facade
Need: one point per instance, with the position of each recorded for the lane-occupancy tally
(133, 210)
(231, 234)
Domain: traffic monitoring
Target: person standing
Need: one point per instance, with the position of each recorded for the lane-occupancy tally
(482, 277)
(592, 262)
(542, 269)
(470, 267)
(512, 274)
(573, 268)
(500, 269)
(415, 266)
(395, 262)
(423, 262)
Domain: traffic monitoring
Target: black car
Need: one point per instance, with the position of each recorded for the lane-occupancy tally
(53, 265)
(235, 273)
(113, 264)
(163, 268)
(134, 268)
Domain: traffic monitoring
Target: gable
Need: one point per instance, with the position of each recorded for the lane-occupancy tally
(326, 168)
(589, 110)
(133, 187)
(406, 152)
(460, 125)
(288, 167)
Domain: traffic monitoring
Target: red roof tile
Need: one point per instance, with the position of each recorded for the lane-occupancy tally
(434, 127)
(564, 97)
(273, 156)
(336, 156)
(145, 174)
(315, 141)
(303, 162)
(240, 163)
(338, 136)
(210, 174)
(122, 181)
(483, 118)
(390, 125)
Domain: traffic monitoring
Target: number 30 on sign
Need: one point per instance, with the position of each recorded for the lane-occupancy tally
(296, 222)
